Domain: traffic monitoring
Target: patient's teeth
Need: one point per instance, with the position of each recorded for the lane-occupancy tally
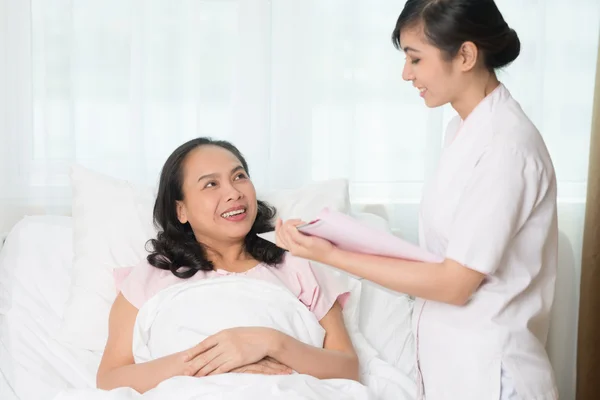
(232, 213)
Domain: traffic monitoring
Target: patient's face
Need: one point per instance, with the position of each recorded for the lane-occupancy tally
(219, 200)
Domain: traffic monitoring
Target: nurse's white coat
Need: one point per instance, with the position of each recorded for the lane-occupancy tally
(492, 207)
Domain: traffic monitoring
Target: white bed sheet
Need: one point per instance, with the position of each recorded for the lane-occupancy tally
(6, 392)
(35, 366)
(32, 364)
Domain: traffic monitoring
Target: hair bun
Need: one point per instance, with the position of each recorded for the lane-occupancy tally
(509, 52)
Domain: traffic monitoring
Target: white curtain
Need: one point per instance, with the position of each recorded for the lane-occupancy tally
(308, 90)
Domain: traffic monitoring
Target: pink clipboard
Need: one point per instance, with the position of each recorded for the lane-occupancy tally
(350, 234)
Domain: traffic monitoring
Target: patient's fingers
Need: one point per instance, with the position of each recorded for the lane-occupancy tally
(223, 368)
(213, 366)
(270, 364)
(201, 347)
(264, 367)
(261, 370)
(203, 360)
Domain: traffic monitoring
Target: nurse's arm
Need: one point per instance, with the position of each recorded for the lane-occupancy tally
(448, 282)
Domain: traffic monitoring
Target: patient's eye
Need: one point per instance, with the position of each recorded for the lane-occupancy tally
(210, 184)
(241, 175)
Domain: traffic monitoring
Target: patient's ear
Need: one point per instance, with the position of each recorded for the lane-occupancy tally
(181, 213)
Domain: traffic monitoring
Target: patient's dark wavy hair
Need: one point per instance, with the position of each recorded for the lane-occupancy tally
(175, 248)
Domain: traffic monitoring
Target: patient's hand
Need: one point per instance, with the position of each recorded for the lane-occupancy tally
(228, 350)
(266, 366)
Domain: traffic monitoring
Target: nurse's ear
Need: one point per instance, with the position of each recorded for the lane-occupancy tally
(467, 56)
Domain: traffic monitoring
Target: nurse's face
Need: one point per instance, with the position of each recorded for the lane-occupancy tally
(436, 78)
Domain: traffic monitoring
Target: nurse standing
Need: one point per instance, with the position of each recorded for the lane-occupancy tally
(482, 315)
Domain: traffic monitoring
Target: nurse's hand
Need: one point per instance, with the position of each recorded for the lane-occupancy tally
(301, 245)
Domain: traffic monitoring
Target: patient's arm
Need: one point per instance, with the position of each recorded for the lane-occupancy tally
(118, 368)
(337, 358)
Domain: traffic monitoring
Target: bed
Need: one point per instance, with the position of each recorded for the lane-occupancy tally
(56, 287)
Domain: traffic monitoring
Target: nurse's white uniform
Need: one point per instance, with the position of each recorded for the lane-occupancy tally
(492, 207)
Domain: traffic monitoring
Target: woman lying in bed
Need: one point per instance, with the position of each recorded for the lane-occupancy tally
(208, 214)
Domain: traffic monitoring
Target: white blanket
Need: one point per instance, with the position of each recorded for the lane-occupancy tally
(181, 316)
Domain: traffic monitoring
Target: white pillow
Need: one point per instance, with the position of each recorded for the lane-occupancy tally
(308, 201)
(385, 320)
(112, 222)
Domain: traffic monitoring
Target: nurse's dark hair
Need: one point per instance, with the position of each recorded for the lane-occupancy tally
(175, 248)
(448, 24)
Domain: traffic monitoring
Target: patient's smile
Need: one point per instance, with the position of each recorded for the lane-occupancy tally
(236, 214)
